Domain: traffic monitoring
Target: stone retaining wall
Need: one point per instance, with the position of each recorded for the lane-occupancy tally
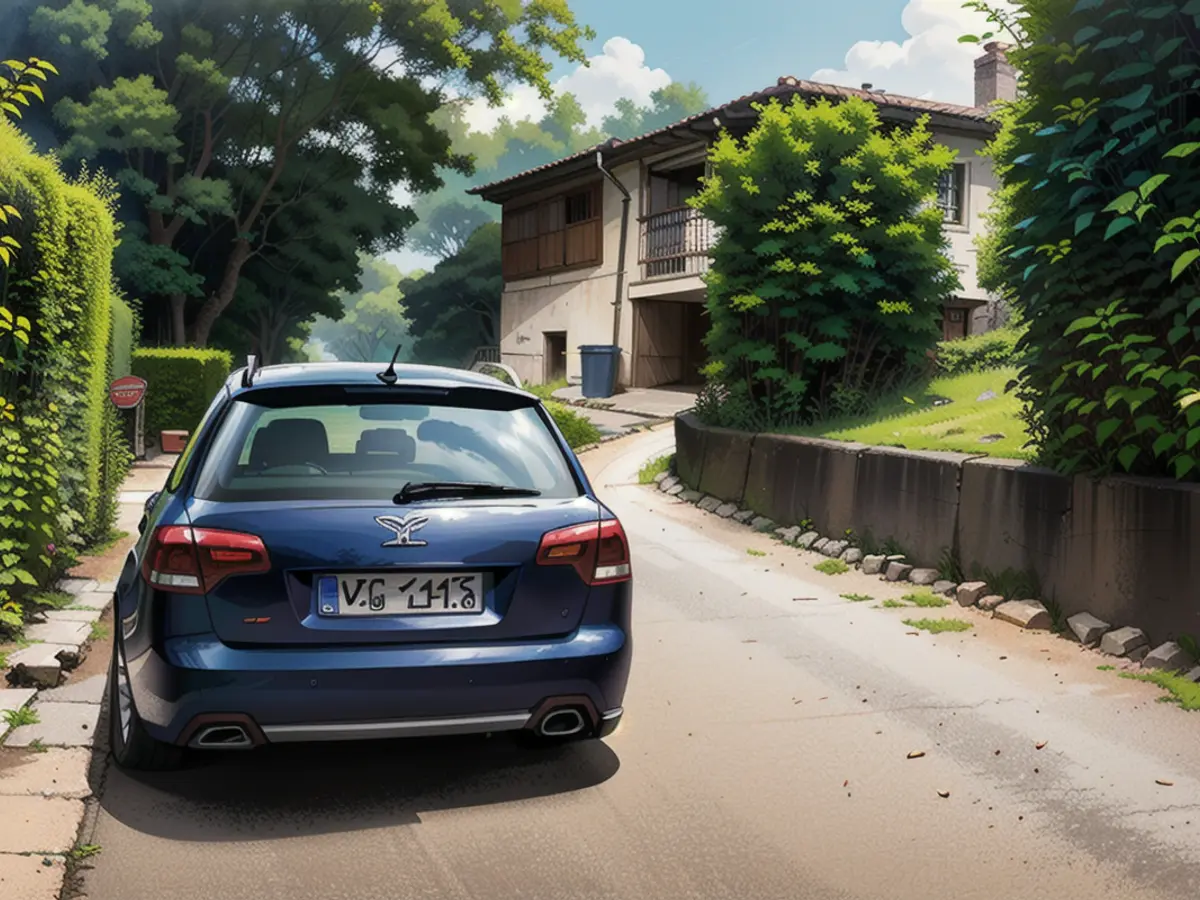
(1125, 549)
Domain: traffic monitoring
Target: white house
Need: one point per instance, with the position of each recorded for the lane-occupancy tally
(567, 282)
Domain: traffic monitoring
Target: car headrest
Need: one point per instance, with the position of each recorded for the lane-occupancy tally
(393, 441)
(290, 442)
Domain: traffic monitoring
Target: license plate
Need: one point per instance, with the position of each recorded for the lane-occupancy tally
(411, 594)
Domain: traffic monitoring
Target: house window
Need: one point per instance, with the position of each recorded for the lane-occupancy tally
(952, 192)
(556, 233)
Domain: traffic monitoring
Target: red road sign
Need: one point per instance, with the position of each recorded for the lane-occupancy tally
(127, 392)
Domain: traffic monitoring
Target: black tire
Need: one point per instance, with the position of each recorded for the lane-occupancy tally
(139, 751)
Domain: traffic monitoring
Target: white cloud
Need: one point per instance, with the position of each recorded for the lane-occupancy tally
(930, 64)
(619, 71)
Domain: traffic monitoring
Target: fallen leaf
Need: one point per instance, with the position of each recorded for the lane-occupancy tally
(943, 794)
(1164, 783)
(916, 754)
(914, 633)
(846, 783)
(1041, 745)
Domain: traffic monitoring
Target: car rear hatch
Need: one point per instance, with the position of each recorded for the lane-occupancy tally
(344, 574)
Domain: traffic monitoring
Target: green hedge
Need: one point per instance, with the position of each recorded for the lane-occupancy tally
(54, 377)
(990, 350)
(124, 337)
(181, 383)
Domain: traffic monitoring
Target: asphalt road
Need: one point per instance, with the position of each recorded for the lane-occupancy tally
(764, 755)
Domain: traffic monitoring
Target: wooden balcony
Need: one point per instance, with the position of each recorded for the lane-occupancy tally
(675, 243)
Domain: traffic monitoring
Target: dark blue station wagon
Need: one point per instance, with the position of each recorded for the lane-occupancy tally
(343, 553)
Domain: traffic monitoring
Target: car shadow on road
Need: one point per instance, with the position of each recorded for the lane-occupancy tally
(303, 790)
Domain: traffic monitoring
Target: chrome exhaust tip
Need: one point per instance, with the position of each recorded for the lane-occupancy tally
(562, 723)
(222, 737)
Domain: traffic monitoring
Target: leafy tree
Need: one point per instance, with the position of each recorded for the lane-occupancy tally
(1098, 233)
(456, 307)
(372, 318)
(829, 273)
(210, 109)
(668, 105)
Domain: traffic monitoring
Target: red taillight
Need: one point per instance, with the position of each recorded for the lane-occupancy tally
(194, 560)
(598, 551)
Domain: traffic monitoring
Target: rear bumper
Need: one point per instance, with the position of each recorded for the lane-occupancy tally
(358, 693)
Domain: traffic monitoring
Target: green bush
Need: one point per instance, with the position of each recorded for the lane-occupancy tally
(829, 276)
(181, 383)
(577, 429)
(1098, 230)
(990, 350)
(55, 299)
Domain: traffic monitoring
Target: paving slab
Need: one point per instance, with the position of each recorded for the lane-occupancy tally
(39, 825)
(94, 600)
(13, 699)
(59, 725)
(59, 632)
(58, 772)
(89, 690)
(31, 877)
(85, 616)
(77, 586)
(38, 665)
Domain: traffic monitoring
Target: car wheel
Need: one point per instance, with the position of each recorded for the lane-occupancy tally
(132, 747)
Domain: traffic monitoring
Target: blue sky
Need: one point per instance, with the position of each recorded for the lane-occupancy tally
(731, 47)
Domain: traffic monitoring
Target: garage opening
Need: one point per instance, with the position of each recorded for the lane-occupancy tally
(554, 357)
(669, 343)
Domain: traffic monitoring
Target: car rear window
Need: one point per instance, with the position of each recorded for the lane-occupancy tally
(369, 451)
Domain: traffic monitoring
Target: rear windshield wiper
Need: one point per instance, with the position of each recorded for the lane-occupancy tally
(432, 490)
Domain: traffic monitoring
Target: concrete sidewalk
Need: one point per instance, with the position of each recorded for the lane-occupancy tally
(58, 687)
(646, 403)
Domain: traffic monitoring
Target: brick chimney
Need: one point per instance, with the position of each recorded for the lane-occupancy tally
(995, 77)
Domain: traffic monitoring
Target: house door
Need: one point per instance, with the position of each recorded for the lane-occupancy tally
(954, 323)
(554, 361)
(668, 343)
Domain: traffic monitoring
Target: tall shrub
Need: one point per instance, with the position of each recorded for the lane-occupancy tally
(1099, 235)
(181, 382)
(829, 273)
(59, 285)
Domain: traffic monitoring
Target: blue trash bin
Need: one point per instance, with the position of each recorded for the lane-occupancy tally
(600, 363)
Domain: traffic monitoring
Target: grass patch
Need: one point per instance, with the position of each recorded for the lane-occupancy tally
(926, 600)
(24, 716)
(857, 598)
(36, 746)
(752, 552)
(1181, 691)
(51, 600)
(832, 567)
(105, 543)
(545, 392)
(99, 632)
(957, 425)
(938, 626)
(576, 428)
(1105, 668)
(654, 468)
(894, 604)
(86, 851)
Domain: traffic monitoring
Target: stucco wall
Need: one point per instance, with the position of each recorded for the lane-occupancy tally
(1123, 549)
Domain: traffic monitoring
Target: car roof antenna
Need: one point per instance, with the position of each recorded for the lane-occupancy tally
(250, 371)
(388, 376)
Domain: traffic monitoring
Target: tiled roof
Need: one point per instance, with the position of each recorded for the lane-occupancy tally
(786, 87)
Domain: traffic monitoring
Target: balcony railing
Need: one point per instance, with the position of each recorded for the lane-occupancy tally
(675, 243)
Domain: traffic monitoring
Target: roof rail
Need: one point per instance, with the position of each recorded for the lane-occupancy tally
(250, 371)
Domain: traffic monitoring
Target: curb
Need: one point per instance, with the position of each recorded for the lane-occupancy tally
(1127, 645)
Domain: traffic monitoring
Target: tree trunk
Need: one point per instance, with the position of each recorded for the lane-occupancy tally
(178, 325)
(217, 303)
